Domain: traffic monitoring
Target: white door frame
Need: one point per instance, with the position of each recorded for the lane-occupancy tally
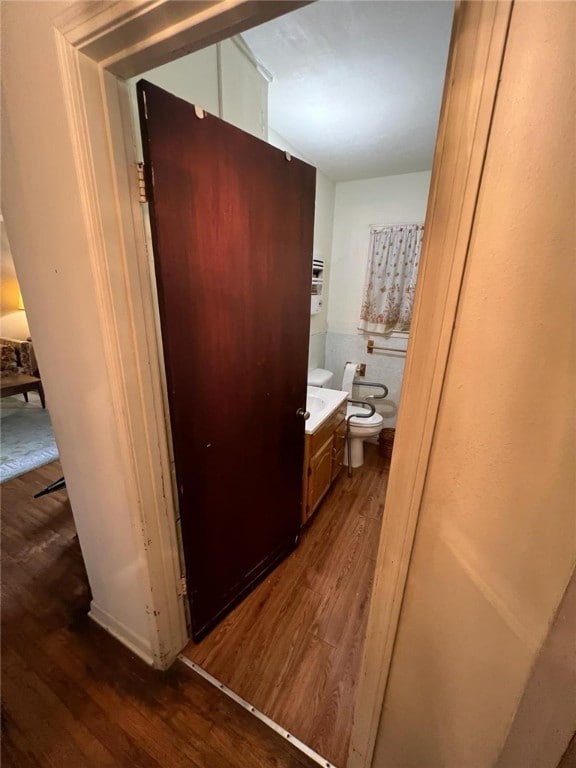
(98, 43)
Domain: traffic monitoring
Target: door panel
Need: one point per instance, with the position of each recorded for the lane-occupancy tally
(232, 229)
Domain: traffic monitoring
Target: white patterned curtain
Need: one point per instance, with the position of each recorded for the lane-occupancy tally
(391, 278)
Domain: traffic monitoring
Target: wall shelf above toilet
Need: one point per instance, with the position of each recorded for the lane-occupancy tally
(317, 285)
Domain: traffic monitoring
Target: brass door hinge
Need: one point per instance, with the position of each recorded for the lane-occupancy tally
(183, 590)
(143, 196)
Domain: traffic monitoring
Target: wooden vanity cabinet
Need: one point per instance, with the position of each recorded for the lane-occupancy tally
(319, 476)
(323, 458)
(338, 445)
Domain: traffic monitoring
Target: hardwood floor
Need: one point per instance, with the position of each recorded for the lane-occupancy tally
(293, 647)
(72, 696)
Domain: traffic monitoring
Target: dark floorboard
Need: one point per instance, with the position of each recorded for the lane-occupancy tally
(72, 696)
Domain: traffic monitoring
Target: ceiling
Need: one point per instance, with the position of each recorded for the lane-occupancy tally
(357, 84)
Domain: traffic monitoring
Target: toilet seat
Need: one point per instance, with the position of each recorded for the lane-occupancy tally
(375, 420)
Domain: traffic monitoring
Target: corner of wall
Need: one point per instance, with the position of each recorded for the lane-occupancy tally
(138, 644)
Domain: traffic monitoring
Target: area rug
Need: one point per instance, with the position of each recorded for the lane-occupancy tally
(26, 437)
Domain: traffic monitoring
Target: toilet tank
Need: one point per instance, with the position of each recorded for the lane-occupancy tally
(319, 377)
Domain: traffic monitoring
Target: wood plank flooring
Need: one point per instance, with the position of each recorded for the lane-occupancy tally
(293, 647)
(72, 696)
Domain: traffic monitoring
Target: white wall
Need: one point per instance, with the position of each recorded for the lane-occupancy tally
(193, 78)
(46, 227)
(244, 91)
(222, 79)
(323, 227)
(496, 540)
(359, 205)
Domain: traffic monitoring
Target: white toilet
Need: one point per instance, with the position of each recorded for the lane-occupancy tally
(319, 377)
(360, 428)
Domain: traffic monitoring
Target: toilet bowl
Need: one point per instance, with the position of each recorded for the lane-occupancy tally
(360, 428)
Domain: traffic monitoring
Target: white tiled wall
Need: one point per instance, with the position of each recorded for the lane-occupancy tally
(317, 351)
(382, 367)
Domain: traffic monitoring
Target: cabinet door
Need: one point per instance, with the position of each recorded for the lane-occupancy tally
(338, 451)
(320, 475)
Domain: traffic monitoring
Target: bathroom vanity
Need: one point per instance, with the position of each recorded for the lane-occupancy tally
(324, 445)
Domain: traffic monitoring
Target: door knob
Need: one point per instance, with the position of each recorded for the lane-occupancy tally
(305, 414)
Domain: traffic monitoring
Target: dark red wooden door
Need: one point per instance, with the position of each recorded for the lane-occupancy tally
(232, 229)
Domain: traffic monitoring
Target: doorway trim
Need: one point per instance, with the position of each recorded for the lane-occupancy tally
(99, 43)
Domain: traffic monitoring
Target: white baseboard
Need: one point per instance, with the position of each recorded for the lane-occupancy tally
(132, 641)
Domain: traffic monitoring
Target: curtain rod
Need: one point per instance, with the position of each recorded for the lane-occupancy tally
(397, 224)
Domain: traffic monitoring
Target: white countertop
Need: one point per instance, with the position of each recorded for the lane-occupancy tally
(321, 403)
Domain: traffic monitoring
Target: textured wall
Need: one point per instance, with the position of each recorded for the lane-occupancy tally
(496, 540)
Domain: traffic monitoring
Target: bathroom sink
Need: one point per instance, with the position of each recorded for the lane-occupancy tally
(315, 404)
(321, 404)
